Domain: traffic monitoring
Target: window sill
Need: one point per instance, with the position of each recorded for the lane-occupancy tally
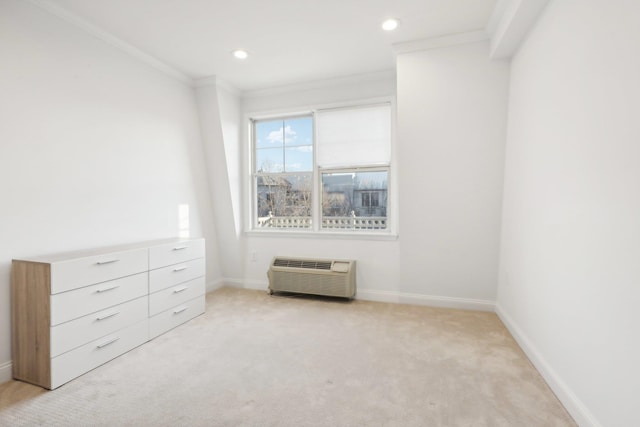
(346, 235)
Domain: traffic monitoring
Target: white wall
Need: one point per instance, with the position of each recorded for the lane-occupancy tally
(219, 112)
(377, 260)
(452, 110)
(231, 126)
(451, 130)
(97, 148)
(570, 272)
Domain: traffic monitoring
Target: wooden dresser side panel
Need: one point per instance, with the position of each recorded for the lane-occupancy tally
(30, 322)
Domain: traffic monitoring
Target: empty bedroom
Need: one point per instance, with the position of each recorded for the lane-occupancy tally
(305, 213)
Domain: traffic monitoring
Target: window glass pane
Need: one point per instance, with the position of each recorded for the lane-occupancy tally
(269, 160)
(284, 200)
(298, 131)
(353, 137)
(269, 134)
(271, 138)
(354, 200)
(298, 159)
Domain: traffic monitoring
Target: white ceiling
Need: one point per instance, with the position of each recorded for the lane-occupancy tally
(289, 41)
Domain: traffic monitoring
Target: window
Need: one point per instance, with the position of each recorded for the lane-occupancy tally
(326, 171)
(370, 199)
(284, 172)
(362, 203)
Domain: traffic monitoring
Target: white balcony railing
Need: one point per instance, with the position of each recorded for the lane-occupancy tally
(355, 222)
(328, 223)
(284, 222)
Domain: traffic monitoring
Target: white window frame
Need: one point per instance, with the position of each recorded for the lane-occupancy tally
(316, 230)
(255, 175)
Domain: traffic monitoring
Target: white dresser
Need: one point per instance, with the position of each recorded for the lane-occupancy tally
(73, 312)
(176, 284)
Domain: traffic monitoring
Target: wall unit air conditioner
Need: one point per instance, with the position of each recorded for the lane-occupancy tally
(336, 278)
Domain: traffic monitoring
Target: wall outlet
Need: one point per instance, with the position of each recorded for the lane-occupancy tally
(254, 257)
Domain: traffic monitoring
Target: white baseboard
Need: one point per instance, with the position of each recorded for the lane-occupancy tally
(428, 300)
(5, 372)
(571, 402)
(260, 285)
(387, 296)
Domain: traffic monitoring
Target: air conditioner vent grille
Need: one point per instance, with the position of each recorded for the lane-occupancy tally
(313, 276)
(300, 263)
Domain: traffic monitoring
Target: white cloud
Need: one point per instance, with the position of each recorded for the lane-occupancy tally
(304, 149)
(277, 135)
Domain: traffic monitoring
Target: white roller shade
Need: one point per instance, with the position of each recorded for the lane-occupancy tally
(354, 137)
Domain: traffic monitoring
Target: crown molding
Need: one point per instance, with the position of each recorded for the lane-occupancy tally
(112, 40)
(205, 81)
(440, 42)
(223, 84)
(218, 83)
(321, 84)
(510, 23)
(496, 16)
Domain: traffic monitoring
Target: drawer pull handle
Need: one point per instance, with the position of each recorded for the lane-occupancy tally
(175, 270)
(111, 341)
(107, 289)
(180, 310)
(179, 248)
(111, 261)
(184, 288)
(106, 316)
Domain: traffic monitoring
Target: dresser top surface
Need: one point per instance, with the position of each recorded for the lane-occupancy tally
(71, 255)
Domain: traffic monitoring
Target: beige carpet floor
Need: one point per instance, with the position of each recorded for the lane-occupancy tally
(259, 360)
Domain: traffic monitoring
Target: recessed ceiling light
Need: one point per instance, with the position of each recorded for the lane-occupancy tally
(240, 54)
(390, 24)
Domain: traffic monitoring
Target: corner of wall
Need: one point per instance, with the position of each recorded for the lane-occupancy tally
(213, 285)
(510, 23)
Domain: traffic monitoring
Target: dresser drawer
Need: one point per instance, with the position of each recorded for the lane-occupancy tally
(75, 333)
(169, 319)
(79, 302)
(75, 273)
(175, 295)
(82, 359)
(163, 278)
(174, 253)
